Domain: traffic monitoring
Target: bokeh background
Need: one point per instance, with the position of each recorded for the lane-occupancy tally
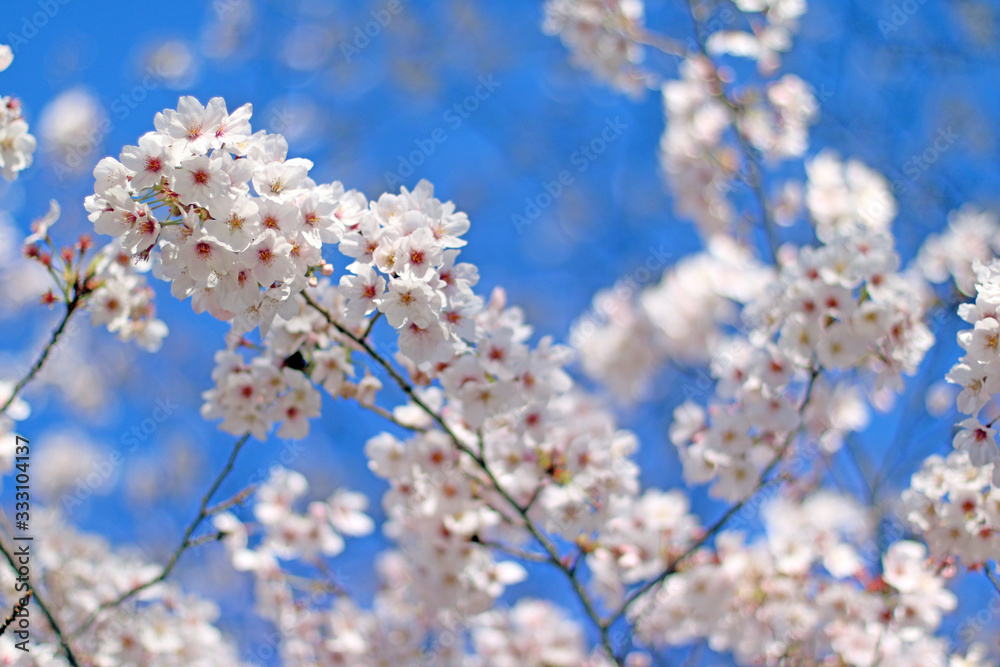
(891, 77)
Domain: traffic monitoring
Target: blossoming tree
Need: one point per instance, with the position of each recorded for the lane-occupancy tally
(498, 462)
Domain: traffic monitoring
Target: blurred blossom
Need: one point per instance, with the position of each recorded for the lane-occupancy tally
(973, 234)
(71, 130)
(80, 371)
(299, 119)
(782, 341)
(142, 481)
(174, 63)
(10, 239)
(979, 19)
(168, 473)
(230, 32)
(939, 398)
(6, 57)
(307, 47)
(67, 61)
(67, 462)
(788, 204)
(21, 281)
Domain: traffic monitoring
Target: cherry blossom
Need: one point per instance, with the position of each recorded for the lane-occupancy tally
(17, 145)
(502, 472)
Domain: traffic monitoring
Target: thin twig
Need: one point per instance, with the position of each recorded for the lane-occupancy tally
(387, 415)
(543, 540)
(371, 325)
(71, 307)
(238, 499)
(19, 606)
(393, 373)
(753, 178)
(721, 521)
(60, 636)
(186, 543)
(992, 577)
(670, 47)
(514, 551)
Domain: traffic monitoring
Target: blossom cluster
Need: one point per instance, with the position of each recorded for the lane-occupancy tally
(632, 333)
(698, 164)
(108, 284)
(221, 212)
(955, 505)
(598, 36)
(17, 145)
(773, 24)
(842, 306)
(323, 625)
(252, 397)
(78, 572)
(842, 197)
(404, 250)
(544, 453)
(122, 300)
(972, 234)
(805, 593)
(335, 629)
(643, 538)
(287, 534)
(977, 371)
(838, 307)
(701, 161)
(846, 305)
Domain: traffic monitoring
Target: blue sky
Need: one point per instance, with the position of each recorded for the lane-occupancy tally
(890, 81)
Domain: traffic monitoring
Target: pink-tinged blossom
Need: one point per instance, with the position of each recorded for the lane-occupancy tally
(150, 161)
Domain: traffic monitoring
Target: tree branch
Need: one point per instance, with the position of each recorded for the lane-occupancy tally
(186, 543)
(60, 636)
(536, 532)
(719, 523)
(71, 307)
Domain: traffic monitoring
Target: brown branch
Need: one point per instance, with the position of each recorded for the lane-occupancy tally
(186, 542)
(19, 606)
(71, 307)
(536, 532)
(56, 628)
(719, 523)
(753, 178)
